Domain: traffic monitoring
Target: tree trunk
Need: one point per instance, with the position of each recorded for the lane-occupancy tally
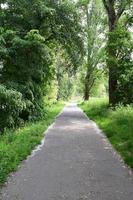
(112, 87)
(59, 84)
(112, 68)
(87, 77)
(86, 90)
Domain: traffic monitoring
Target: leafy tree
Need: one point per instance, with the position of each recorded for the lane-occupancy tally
(64, 71)
(115, 10)
(94, 32)
(31, 29)
(124, 64)
(25, 70)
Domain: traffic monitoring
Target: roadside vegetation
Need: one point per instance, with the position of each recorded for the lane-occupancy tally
(16, 145)
(116, 123)
(57, 50)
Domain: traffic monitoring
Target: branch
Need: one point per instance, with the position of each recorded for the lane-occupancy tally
(92, 83)
(129, 21)
(106, 5)
(122, 8)
(120, 12)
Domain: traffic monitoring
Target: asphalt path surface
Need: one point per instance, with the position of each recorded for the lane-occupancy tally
(74, 162)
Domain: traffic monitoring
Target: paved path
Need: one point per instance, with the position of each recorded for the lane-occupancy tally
(75, 163)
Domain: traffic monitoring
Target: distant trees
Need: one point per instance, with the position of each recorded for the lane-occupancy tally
(65, 70)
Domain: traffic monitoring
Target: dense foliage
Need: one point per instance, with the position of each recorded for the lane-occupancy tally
(116, 11)
(29, 33)
(122, 44)
(10, 106)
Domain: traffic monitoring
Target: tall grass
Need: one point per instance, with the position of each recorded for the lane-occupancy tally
(117, 125)
(15, 146)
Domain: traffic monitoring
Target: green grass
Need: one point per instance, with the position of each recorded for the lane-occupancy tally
(116, 124)
(15, 146)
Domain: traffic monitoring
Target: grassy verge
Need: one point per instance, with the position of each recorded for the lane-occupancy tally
(15, 146)
(116, 124)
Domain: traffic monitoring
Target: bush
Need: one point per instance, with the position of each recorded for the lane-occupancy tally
(11, 105)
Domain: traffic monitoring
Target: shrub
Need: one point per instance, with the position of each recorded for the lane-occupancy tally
(11, 105)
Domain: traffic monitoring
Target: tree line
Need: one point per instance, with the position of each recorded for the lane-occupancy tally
(49, 47)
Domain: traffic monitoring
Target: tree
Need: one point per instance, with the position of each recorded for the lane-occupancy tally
(124, 63)
(115, 9)
(93, 28)
(29, 32)
(64, 71)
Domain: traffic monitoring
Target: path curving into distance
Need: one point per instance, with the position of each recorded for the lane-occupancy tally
(76, 162)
